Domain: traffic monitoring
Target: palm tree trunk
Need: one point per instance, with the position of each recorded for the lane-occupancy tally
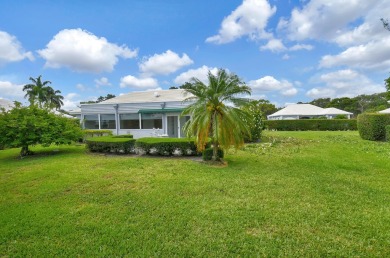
(215, 136)
(24, 151)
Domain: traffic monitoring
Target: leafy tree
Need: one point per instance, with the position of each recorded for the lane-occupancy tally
(41, 94)
(212, 114)
(265, 107)
(54, 99)
(321, 102)
(256, 117)
(343, 103)
(102, 98)
(180, 87)
(387, 84)
(26, 126)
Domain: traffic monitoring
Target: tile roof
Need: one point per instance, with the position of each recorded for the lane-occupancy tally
(149, 96)
(308, 110)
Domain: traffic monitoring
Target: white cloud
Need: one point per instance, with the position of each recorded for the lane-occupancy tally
(82, 51)
(11, 91)
(164, 63)
(269, 83)
(289, 92)
(324, 19)
(374, 55)
(200, 73)
(102, 82)
(11, 50)
(249, 19)
(274, 45)
(81, 87)
(343, 83)
(139, 83)
(71, 101)
(301, 47)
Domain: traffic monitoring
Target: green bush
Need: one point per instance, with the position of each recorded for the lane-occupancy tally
(387, 129)
(123, 136)
(208, 154)
(341, 117)
(96, 133)
(312, 125)
(371, 126)
(166, 146)
(109, 144)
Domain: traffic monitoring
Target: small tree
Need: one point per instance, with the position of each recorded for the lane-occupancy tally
(255, 119)
(212, 113)
(26, 126)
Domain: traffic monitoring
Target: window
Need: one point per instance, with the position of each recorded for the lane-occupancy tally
(150, 121)
(91, 122)
(107, 121)
(129, 121)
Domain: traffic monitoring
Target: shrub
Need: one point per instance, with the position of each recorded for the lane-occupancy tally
(123, 136)
(371, 126)
(208, 154)
(312, 125)
(387, 129)
(92, 133)
(109, 144)
(166, 146)
(341, 117)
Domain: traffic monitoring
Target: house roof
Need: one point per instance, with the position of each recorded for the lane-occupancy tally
(6, 104)
(149, 96)
(335, 111)
(298, 109)
(308, 110)
(386, 111)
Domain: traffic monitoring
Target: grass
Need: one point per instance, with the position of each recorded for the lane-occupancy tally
(309, 194)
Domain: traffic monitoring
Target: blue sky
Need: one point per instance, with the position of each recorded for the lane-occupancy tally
(286, 51)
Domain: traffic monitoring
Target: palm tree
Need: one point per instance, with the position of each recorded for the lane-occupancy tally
(41, 93)
(54, 99)
(213, 114)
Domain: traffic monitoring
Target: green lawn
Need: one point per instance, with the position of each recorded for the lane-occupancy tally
(310, 194)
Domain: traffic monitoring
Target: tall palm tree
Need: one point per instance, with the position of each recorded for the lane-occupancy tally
(42, 94)
(54, 99)
(214, 112)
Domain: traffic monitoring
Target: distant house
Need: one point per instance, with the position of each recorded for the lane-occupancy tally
(306, 111)
(386, 111)
(142, 114)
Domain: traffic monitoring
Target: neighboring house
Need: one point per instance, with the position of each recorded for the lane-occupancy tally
(386, 111)
(6, 104)
(306, 111)
(142, 114)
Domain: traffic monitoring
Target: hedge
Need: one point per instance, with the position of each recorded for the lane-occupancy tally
(92, 133)
(387, 128)
(110, 144)
(165, 146)
(312, 125)
(371, 126)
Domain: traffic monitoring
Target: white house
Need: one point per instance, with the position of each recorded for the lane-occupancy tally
(386, 111)
(305, 111)
(142, 114)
